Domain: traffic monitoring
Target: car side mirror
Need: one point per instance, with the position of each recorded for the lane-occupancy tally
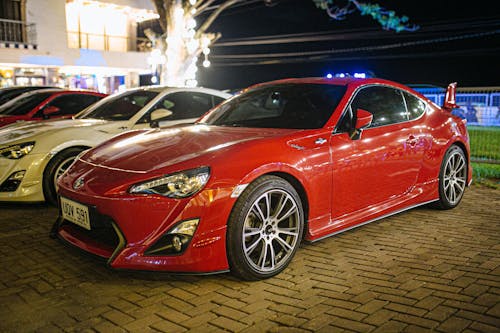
(50, 111)
(158, 115)
(363, 120)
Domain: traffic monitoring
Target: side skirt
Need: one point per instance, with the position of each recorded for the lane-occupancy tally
(370, 221)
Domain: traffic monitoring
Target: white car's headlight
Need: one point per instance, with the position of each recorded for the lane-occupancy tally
(177, 185)
(15, 152)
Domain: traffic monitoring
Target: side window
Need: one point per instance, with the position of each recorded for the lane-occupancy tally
(386, 104)
(184, 105)
(190, 105)
(416, 107)
(71, 104)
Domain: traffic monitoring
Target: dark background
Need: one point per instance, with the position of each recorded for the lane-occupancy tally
(459, 42)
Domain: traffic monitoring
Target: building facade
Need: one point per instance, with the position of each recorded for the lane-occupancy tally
(74, 43)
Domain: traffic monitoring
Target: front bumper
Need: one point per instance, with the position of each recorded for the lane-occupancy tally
(31, 187)
(123, 229)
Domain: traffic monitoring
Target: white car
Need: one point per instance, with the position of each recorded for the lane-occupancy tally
(34, 154)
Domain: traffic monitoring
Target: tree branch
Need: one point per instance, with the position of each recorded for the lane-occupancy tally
(200, 6)
(208, 22)
(161, 9)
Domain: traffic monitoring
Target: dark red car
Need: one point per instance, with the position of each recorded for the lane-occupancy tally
(281, 162)
(9, 93)
(46, 104)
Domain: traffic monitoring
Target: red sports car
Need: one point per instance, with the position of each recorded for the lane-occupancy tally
(46, 104)
(281, 162)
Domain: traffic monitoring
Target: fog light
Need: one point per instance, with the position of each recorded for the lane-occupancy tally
(13, 182)
(175, 241)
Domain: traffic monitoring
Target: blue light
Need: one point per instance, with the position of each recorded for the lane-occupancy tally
(329, 76)
(360, 75)
(42, 60)
(341, 75)
(90, 58)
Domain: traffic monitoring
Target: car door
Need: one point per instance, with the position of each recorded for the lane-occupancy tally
(376, 169)
(186, 107)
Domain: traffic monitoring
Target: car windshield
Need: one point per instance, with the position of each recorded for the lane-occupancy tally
(23, 104)
(119, 107)
(298, 106)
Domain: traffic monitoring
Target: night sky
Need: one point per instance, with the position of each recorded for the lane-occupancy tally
(454, 43)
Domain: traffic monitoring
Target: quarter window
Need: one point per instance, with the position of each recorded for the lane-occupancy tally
(386, 105)
(416, 107)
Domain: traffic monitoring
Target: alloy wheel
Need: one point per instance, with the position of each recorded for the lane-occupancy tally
(271, 230)
(455, 177)
(61, 168)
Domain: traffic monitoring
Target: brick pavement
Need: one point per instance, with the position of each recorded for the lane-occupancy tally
(418, 271)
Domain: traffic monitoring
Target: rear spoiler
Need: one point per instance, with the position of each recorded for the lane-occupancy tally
(450, 97)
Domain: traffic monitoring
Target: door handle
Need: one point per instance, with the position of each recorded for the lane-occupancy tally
(320, 141)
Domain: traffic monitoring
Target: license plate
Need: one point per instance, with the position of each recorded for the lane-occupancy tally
(75, 212)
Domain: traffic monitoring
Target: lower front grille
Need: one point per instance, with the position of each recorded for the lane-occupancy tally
(103, 231)
(12, 183)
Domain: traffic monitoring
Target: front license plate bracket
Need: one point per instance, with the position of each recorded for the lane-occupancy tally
(75, 212)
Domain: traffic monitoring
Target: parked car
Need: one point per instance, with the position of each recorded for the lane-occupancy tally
(243, 186)
(46, 104)
(8, 93)
(34, 154)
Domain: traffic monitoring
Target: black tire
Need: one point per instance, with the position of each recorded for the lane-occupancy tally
(55, 168)
(272, 234)
(452, 178)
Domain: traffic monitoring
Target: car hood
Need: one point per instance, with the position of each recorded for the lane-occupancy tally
(146, 151)
(29, 130)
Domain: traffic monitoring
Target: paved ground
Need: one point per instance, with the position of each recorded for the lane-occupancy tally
(418, 271)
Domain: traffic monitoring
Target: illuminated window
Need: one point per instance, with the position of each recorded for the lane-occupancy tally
(101, 26)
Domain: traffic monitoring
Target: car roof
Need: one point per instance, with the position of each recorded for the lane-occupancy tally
(335, 81)
(62, 91)
(345, 81)
(160, 89)
(27, 88)
(38, 91)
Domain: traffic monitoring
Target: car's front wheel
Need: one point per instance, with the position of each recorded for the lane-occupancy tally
(452, 178)
(55, 168)
(264, 229)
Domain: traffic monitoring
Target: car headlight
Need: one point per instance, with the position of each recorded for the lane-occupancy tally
(15, 152)
(177, 185)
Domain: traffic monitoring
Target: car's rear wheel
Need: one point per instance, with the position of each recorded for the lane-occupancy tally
(55, 168)
(452, 178)
(264, 229)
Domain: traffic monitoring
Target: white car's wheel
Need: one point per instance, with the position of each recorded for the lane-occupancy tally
(55, 168)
